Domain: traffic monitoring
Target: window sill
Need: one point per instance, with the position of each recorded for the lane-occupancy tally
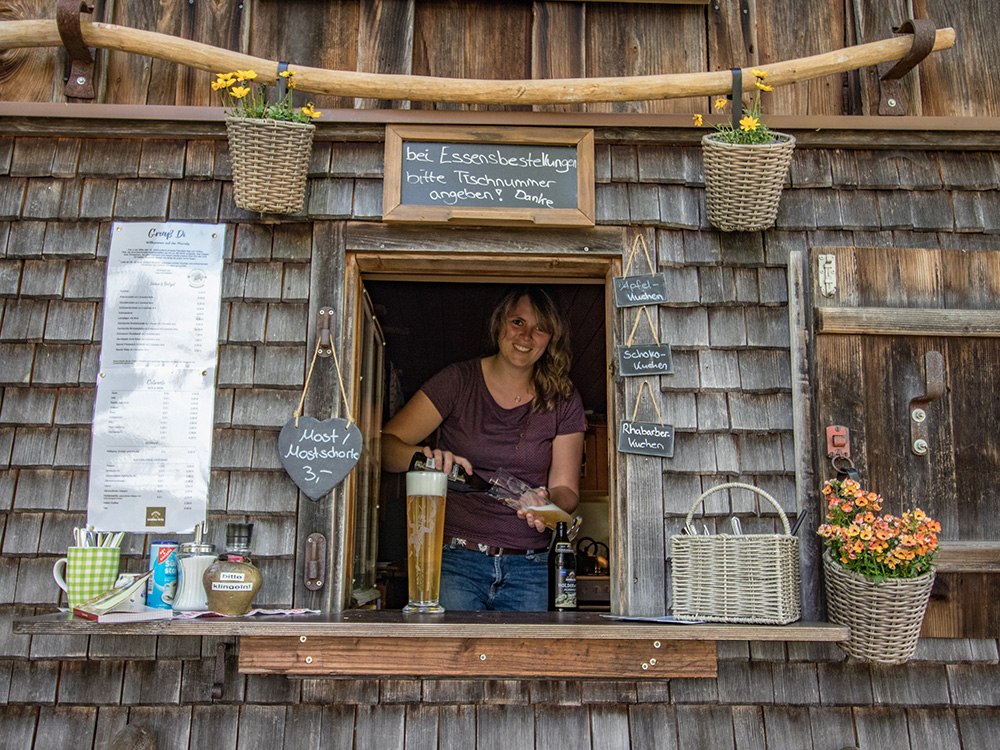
(542, 645)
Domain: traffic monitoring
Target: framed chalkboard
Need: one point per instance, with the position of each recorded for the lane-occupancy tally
(489, 176)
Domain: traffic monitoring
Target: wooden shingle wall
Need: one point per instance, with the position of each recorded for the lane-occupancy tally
(730, 400)
(526, 39)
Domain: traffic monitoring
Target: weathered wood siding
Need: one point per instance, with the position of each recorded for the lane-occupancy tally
(520, 39)
(730, 398)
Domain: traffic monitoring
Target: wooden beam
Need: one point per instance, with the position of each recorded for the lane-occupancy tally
(542, 658)
(897, 321)
(44, 33)
(968, 557)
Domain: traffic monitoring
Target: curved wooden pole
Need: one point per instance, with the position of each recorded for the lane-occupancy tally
(43, 33)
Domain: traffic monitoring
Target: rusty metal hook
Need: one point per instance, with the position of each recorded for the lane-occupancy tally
(324, 331)
(80, 84)
(891, 92)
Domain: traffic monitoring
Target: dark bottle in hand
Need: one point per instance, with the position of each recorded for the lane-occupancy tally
(459, 480)
(562, 573)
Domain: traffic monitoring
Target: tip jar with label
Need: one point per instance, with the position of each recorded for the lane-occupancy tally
(232, 582)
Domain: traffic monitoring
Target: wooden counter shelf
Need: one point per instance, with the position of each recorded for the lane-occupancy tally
(536, 645)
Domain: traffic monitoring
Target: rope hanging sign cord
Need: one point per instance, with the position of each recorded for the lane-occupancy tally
(45, 33)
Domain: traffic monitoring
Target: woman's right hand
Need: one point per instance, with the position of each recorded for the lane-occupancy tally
(444, 460)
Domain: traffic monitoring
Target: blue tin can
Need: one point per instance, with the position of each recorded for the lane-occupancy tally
(162, 584)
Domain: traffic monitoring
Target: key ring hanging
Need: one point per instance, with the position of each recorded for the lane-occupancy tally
(846, 473)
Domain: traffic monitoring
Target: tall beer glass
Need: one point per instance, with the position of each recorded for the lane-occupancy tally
(425, 498)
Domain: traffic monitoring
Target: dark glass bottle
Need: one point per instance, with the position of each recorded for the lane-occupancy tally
(459, 480)
(562, 572)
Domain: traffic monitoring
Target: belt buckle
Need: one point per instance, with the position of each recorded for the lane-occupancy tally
(485, 549)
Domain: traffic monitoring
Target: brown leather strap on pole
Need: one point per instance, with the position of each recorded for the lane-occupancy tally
(80, 83)
(890, 91)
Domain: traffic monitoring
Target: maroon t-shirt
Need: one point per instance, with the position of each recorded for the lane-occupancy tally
(476, 427)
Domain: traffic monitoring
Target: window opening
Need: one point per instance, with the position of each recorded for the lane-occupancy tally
(430, 324)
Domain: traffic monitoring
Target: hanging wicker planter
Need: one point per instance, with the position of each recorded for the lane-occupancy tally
(743, 182)
(270, 162)
(884, 618)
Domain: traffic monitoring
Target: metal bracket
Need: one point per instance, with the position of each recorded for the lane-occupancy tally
(80, 81)
(324, 331)
(828, 275)
(934, 379)
(890, 73)
(220, 670)
(315, 567)
(838, 442)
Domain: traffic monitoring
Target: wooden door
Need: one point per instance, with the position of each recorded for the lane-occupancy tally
(877, 313)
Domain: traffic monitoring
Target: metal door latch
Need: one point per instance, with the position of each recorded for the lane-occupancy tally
(828, 275)
(315, 567)
(934, 379)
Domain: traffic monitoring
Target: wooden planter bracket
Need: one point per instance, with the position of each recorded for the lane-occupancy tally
(890, 73)
(79, 83)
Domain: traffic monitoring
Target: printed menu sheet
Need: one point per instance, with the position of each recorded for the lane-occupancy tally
(152, 435)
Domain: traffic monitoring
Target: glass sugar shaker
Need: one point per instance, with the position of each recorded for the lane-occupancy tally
(193, 559)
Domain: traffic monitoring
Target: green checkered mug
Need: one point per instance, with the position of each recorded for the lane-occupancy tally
(89, 571)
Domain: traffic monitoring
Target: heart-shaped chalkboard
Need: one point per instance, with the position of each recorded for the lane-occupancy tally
(318, 455)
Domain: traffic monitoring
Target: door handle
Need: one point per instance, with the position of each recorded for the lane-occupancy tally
(933, 390)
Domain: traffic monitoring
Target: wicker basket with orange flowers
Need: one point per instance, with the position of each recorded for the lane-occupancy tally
(879, 572)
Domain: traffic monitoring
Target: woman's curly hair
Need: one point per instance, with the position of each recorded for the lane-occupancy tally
(551, 376)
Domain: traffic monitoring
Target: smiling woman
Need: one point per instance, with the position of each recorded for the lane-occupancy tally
(516, 410)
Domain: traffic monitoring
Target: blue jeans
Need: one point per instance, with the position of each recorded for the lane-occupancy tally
(471, 580)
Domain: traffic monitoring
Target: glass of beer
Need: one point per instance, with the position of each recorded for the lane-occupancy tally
(425, 497)
(517, 494)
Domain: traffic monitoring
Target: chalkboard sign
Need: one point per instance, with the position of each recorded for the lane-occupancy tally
(632, 291)
(489, 176)
(646, 438)
(647, 359)
(318, 455)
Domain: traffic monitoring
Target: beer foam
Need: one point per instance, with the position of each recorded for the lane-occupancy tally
(426, 483)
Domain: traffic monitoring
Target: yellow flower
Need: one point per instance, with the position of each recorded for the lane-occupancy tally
(223, 81)
(286, 73)
(308, 111)
(246, 75)
(759, 73)
(239, 92)
(698, 120)
(749, 123)
(721, 102)
(763, 86)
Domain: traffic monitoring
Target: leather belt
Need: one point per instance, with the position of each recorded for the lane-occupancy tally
(487, 549)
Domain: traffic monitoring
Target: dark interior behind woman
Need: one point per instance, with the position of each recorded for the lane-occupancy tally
(517, 410)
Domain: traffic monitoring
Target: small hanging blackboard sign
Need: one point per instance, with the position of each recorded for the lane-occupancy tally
(646, 439)
(645, 359)
(632, 291)
(319, 455)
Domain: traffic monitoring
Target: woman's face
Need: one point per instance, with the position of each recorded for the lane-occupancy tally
(522, 341)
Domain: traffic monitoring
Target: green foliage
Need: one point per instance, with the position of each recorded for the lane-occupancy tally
(246, 99)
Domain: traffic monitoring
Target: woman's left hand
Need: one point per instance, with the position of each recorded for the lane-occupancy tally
(533, 497)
